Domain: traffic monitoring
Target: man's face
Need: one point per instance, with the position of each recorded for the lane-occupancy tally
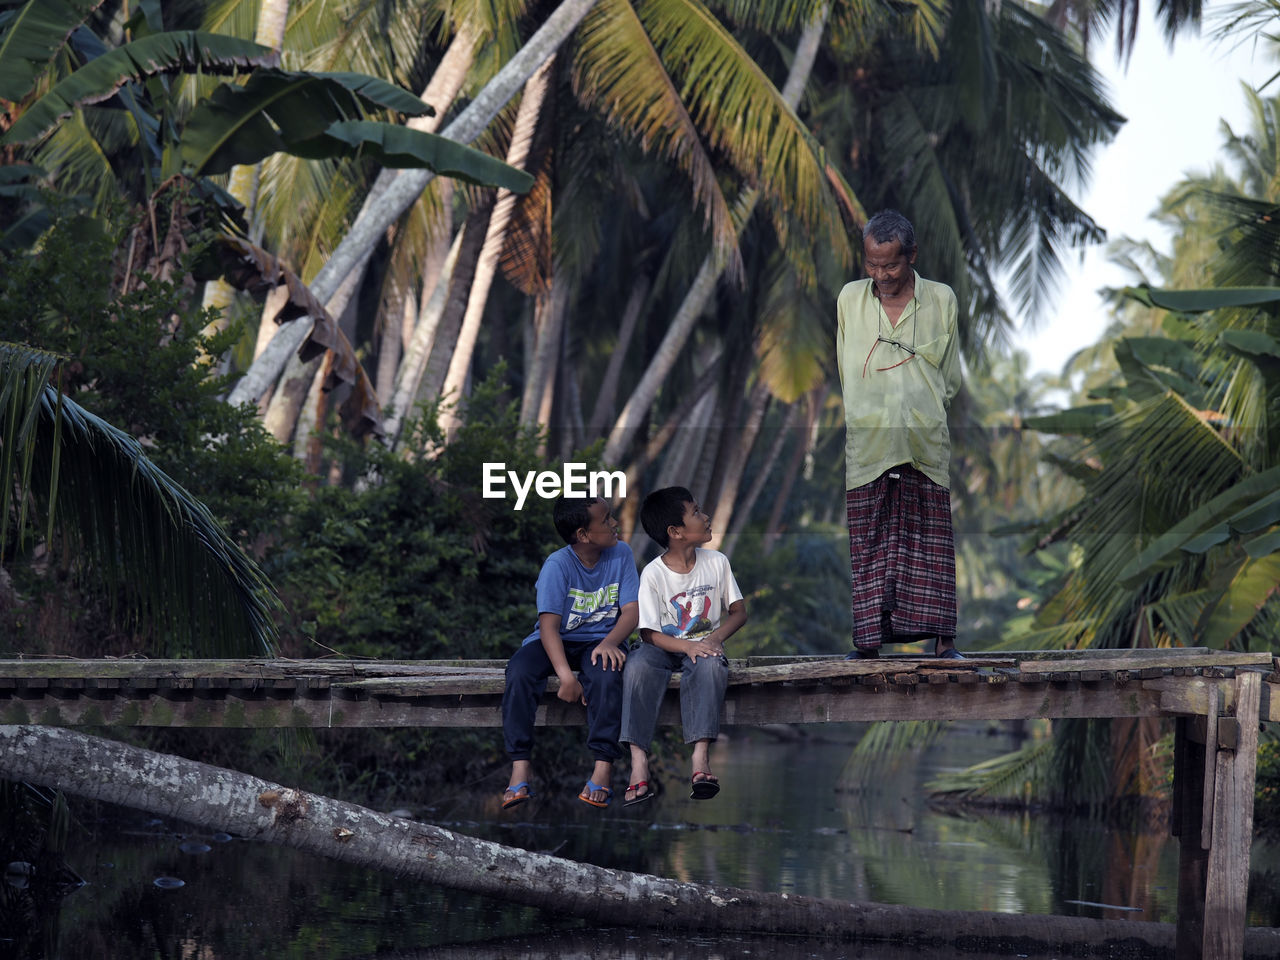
(602, 530)
(886, 265)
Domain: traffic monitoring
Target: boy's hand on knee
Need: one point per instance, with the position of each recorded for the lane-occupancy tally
(706, 647)
(608, 655)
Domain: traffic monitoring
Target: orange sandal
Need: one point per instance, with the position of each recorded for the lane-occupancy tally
(517, 797)
(595, 788)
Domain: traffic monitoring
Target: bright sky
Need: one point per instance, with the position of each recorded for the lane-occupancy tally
(1174, 102)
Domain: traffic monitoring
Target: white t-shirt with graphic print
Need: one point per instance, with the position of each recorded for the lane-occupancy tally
(687, 605)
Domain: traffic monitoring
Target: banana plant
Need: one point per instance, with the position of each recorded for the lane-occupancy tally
(314, 115)
(1181, 508)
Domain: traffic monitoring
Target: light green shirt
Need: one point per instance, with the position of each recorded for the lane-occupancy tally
(895, 412)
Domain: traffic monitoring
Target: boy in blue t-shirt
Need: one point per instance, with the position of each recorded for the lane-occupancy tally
(587, 608)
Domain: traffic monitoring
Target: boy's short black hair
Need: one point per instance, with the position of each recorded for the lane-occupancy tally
(572, 514)
(662, 509)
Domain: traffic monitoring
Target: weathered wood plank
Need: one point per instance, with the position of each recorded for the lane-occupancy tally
(465, 693)
(1173, 659)
(1210, 766)
(1227, 883)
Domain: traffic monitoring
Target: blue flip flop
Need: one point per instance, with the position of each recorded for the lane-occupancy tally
(592, 788)
(516, 797)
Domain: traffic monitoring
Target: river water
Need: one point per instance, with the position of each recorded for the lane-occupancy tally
(783, 823)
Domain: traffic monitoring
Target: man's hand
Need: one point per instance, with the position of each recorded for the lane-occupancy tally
(570, 689)
(609, 655)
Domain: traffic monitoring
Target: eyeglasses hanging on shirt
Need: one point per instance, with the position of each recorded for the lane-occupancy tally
(881, 338)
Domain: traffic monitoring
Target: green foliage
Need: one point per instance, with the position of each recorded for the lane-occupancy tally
(138, 360)
(797, 595)
(1266, 797)
(413, 563)
(134, 359)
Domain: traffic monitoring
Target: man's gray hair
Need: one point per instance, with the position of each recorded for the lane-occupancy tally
(890, 225)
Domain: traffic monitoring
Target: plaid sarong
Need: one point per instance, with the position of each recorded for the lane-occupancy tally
(902, 551)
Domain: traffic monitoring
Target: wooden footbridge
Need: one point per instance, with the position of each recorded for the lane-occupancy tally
(1217, 699)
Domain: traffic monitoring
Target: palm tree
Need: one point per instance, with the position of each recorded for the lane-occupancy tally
(108, 509)
(404, 189)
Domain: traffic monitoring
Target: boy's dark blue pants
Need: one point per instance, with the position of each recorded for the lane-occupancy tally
(527, 673)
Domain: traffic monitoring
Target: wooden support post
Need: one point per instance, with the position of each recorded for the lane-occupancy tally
(1210, 768)
(1227, 882)
(1193, 859)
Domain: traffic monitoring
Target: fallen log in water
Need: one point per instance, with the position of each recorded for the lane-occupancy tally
(221, 799)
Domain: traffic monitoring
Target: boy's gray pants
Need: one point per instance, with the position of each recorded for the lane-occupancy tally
(644, 683)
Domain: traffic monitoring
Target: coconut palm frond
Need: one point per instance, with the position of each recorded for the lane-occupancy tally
(792, 332)
(1061, 636)
(1012, 775)
(860, 26)
(743, 114)
(618, 71)
(526, 260)
(885, 744)
(1048, 223)
(24, 374)
(128, 524)
(81, 153)
(237, 18)
(773, 17)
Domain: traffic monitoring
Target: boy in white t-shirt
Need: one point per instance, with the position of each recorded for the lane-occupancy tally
(690, 605)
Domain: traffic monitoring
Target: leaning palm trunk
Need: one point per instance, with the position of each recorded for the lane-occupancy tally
(418, 351)
(608, 394)
(535, 94)
(742, 512)
(736, 464)
(407, 186)
(535, 404)
(713, 266)
(297, 402)
(221, 799)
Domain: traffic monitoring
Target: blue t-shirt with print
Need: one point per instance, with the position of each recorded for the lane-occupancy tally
(588, 601)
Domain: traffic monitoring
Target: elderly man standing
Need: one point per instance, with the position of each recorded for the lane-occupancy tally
(899, 358)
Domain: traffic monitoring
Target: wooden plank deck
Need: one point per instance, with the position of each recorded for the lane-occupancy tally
(762, 690)
(1218, 698)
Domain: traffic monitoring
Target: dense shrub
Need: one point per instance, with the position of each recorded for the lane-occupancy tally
(410, 561)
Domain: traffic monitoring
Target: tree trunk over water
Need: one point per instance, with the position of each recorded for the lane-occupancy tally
(217, 798)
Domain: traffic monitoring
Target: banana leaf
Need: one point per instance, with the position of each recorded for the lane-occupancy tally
(1253, 584)
(277, 110)
(1252, 343)
(184, 50)
(1208, 525)
(395, 146)
(1200, 301)
(32, 35)
(1078, 420)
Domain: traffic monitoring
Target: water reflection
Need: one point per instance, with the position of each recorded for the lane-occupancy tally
(781, 823)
